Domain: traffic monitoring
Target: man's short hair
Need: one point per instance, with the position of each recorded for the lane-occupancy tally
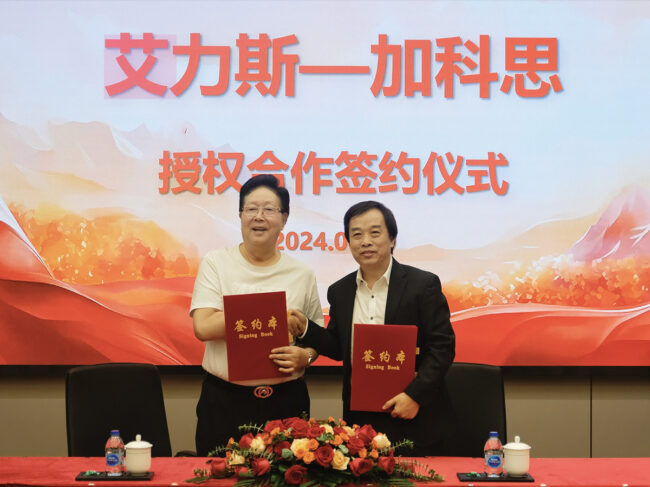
(359, 208)
(267, 181)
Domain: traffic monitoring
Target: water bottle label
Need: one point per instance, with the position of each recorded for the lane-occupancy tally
(112, 459)
(494, 461)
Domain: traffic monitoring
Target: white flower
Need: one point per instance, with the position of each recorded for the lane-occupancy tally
(300, 444)
(236, 459)
(381, 441)
(328, 428)
(340, 461)
(257, 445)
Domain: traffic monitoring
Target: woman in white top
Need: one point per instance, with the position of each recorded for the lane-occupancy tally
(255, 265)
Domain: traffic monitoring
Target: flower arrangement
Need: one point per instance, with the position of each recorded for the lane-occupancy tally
(308, 453)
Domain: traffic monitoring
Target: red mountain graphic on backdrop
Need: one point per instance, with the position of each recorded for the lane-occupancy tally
(46, 321)
(623, 230)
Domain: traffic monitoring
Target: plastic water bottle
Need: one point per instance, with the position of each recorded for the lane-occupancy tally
(493, 455)
(114, 454)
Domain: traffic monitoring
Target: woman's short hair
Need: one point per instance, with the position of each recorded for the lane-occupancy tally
(267, 181)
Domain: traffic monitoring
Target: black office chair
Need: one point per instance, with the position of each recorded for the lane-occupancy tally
(124, 396)
(478, 405)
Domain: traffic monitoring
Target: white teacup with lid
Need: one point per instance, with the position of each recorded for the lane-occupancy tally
(517, 458)
(138, 456)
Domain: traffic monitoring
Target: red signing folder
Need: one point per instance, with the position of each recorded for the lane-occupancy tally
(383, 364)
(255, 324)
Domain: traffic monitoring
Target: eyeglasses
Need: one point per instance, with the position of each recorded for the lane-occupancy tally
(267, 211)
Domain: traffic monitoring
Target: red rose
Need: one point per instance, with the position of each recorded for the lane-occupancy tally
(355, 444)
(338, 430)
(315, 431)
(260, 466)
(245, 441)
(387, 464)
(295, 474)
(271, 425)
(277, 449)
(324, 455)
(218, 467)
(366, 433)
(299, 427)
(359, 466)
(288, 421)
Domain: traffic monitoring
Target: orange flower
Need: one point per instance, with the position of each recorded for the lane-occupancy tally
(345, 437)
(299, 452)
(337, 440)
(299, 447)
(313, 444)
(308, 457)
(330, 419)
(374, 453)
(342, 422)
(363, 453)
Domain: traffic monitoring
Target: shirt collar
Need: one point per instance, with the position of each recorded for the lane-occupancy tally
(385, 275)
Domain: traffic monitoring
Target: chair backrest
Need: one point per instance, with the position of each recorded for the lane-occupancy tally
(478, 403)
(124, 396)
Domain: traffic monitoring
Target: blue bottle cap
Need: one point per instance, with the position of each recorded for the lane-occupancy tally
(494, 433)
(117, 433)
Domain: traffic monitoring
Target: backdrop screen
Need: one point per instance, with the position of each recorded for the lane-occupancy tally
(510, 139)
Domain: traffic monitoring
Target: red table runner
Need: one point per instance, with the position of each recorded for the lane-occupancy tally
(552, 472)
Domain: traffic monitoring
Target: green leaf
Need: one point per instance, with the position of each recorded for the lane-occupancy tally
(197, 480)
(251, 427)
(325, 437)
